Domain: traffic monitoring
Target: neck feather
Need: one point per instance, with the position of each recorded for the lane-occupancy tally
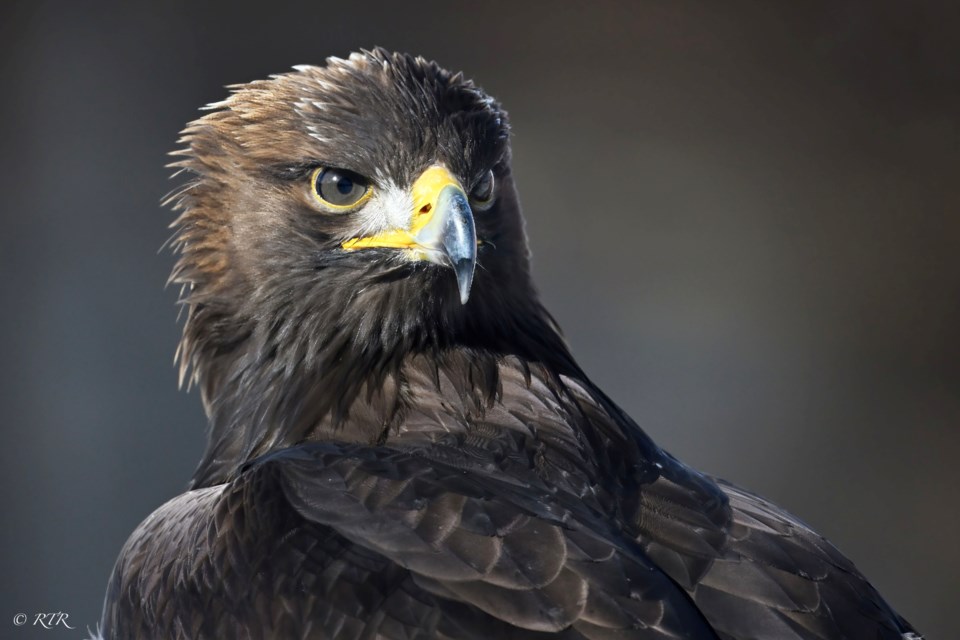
(291, 372)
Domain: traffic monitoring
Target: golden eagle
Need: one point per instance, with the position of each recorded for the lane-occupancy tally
(401, 445)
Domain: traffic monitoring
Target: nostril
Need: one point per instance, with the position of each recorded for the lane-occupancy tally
(426, 208)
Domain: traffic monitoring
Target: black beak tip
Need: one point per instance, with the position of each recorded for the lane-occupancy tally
(464, 270)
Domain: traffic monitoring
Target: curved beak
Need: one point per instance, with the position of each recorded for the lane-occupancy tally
(450, 232)
(441, 228)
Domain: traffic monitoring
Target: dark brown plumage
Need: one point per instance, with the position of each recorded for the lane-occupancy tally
(388, 461)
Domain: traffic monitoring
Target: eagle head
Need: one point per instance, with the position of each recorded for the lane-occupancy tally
(337, 220)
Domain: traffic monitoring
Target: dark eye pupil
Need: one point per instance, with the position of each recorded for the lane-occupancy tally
(484, 189)
(340, 188)
(345, 185)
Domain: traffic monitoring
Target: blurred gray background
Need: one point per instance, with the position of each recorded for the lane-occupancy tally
(746, 216)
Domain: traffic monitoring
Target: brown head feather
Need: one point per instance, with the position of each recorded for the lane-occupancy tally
(287, 333)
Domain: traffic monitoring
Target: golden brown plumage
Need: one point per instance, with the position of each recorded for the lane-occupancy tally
(403, 447)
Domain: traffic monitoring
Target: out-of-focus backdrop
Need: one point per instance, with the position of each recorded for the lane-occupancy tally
(745, 215)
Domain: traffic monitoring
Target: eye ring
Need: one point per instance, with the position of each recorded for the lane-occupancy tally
(339, 190)
(484, 192)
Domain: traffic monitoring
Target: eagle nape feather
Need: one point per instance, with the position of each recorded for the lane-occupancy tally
(401, 444)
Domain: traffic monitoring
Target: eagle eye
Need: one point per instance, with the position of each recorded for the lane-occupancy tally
(339, 189)
(483, 192)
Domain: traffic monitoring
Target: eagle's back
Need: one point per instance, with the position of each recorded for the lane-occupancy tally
(501, 526)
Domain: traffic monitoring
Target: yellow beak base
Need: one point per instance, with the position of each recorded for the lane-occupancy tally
(426, 193)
